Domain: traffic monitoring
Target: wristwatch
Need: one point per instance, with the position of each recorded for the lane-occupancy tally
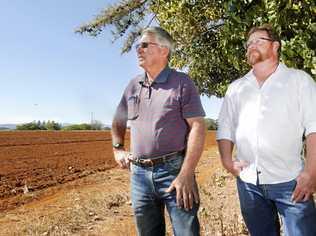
(117, 145)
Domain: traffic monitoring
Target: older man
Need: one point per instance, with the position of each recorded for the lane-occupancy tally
(167, 137)
(266, 113)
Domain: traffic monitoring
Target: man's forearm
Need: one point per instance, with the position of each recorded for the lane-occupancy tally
(226, 149)
(195, 146)
(310, 164)
(118, 131)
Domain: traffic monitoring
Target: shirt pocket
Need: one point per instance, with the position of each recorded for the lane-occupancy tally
(132, 107)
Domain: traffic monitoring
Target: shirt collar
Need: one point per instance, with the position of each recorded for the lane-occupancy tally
(252, 78)
(161, 78)
(163, 75)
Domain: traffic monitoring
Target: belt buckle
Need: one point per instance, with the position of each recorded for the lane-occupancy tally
(137, 161)
(144, 162)
(153, 162)
(150, 162)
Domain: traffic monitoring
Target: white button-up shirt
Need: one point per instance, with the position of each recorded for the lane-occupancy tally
(267, 124)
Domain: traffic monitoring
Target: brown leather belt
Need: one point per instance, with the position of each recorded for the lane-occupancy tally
(149, 162)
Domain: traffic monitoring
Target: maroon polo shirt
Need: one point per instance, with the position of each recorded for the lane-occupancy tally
(157, 113)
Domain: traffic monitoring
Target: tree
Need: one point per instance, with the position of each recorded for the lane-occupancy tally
(211, 124)
(210, 33)
(82, 126)
(52, 125)
(28, 126)
(38, 125)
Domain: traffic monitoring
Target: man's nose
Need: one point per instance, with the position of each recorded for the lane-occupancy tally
(139, 50)
(251, 45)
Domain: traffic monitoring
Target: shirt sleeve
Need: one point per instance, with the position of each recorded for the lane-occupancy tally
(308, 102)
(226, 126)
(121, 112)
(190, 100)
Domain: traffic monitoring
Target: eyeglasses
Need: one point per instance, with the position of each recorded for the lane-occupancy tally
(145, 45)
(257, 41)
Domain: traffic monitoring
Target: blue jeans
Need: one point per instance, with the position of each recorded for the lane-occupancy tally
(260, 205)
(149, 199)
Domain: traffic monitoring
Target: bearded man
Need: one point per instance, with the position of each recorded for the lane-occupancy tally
(265, 114)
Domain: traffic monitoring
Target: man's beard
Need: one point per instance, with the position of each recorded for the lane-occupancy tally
(253, 57)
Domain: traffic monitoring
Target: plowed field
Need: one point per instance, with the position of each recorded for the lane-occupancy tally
(35, 160)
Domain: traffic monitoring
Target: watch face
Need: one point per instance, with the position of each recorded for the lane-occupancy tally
(117, 145)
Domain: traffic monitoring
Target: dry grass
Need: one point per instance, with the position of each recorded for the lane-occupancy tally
(219, 213)
(76, 211)
(84, 211)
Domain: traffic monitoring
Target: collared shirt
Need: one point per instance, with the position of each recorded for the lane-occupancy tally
(157, 112)
(267, 124)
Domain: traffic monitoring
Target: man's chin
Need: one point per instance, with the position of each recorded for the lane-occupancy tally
(252, 60)
(141, 64)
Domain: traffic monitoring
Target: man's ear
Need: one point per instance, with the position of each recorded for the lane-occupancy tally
(276, 46)
(165, 51)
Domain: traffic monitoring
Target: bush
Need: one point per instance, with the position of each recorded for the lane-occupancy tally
(38, 125)
(82, 126)
(211, 124)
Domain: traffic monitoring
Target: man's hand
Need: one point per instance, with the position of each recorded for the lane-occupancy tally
(305, 187)
(236, 166)
(184, 184)
(122, 158)
(306, 181)
(186, 190)
(225, 148)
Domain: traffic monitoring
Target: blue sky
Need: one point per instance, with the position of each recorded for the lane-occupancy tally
(47, 72)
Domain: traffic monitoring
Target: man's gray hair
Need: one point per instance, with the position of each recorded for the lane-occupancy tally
(162, 37)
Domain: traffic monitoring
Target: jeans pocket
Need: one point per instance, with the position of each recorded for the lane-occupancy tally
(287, 186)
(283, 190)
(174, 165)
(131, 168)
(137, 170)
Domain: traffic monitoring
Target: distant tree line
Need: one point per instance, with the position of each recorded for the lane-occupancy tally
(4, 128)
(211, 124)
(52, 125)
(39, 125)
